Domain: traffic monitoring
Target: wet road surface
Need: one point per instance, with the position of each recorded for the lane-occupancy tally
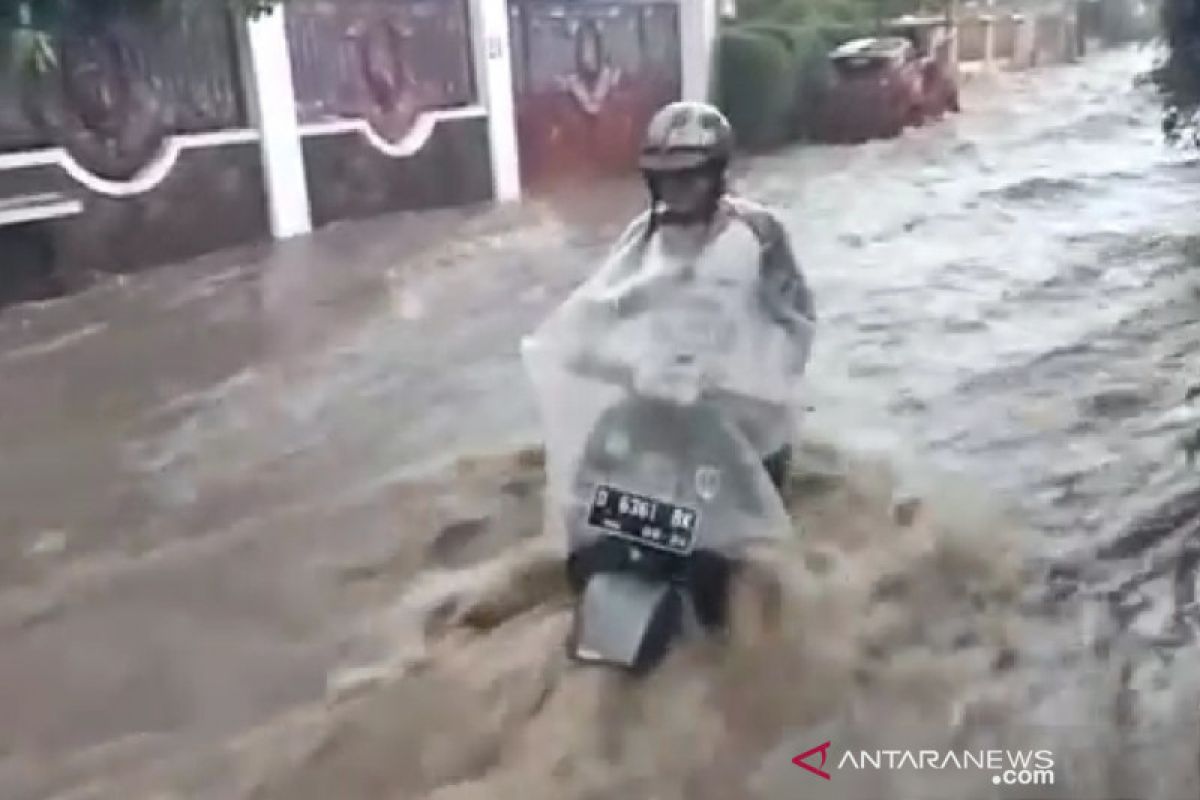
(194, 458)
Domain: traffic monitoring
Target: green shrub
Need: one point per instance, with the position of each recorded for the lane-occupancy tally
(808, 11)
(837, 32)
(805, 54)
(844, 11)
(774, 76)
(808, 47)
(757, 85)
(770, 9)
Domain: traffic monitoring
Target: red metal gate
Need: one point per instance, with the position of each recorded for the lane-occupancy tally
(588, 75)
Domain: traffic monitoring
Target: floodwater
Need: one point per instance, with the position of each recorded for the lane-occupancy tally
(242, 557)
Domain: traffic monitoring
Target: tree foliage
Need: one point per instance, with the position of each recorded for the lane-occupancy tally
(817, 11)
(50, 14)
(28, 27)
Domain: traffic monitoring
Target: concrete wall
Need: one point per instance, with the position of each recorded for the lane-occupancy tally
(388, 106)
(271, 141)
(1007, 39)
(144, 131)
(1055, 40)
(1024, 45)
(353, 175)
(972, 38)
(158, 162)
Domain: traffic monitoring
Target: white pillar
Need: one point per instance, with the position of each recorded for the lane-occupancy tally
(952, 47)
(1023, 46)
(698, 38)
(493, 76)
(989, 42)
(273, 105)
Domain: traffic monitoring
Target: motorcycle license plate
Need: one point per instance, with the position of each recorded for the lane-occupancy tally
(651, 522)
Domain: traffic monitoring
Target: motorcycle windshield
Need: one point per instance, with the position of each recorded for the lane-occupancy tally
(664, 390)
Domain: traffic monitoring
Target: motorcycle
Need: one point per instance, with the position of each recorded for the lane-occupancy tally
(653, 391)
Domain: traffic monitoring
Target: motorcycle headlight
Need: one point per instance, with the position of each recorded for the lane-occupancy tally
(617, 444)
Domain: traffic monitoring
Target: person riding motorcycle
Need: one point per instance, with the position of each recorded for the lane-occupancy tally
(695, 222)
(667, 383)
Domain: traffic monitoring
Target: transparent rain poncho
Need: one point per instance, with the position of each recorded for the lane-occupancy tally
(665, 374)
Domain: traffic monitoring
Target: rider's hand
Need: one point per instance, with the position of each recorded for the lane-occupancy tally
(640, 294)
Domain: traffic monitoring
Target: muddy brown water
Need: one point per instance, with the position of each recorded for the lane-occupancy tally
(240, 559)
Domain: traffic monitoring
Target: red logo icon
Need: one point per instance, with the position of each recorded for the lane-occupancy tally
(823, 749)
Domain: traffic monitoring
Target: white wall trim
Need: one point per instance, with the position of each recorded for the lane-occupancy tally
(147, 178)
(412, 143)
(48, 157)
(36, 212)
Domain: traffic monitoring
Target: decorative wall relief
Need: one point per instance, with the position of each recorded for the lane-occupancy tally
(588, 76)
(123, 84)
(384, 61)
(109, 118)
(594, 76)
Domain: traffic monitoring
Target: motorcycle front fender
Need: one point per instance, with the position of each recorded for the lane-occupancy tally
(626, 620)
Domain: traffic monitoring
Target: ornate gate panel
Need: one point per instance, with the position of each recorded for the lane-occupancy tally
(384, 61)
(386, 97)
(122, 85)
(588, 75)
(138, 122)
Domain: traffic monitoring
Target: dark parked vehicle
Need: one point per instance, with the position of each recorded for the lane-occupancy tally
(933, 39)
(883, 85)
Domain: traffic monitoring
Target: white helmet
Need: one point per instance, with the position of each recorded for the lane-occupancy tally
(686, 135)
